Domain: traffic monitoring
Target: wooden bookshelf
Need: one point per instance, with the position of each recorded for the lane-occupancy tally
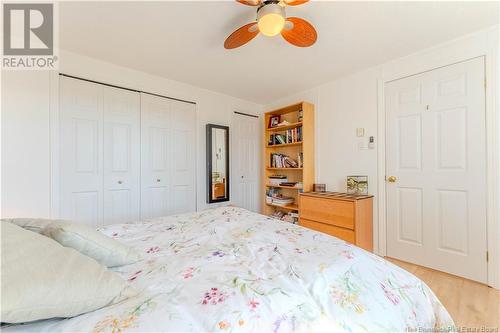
(281, 128)
(281, 145)
(293, 207)
(289, 187)
(285, 169)
(304, 174)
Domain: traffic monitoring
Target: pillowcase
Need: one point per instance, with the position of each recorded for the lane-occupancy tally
(35, 225)
(91, 242)
(42, 279)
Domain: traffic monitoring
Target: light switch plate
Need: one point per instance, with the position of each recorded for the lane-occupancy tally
(360, 132)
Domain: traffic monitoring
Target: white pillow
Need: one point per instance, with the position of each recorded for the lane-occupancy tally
(92, 243)
(41, 279)
(35, 225)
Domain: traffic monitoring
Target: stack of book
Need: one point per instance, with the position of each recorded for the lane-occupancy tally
(292, 135)
(273, 196)
(283, 201)
(277, 139)
(283, 161)
(277, 179)
(287, 217)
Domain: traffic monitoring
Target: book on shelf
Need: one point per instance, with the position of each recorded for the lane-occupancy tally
(294, 135)
(291, 135)
(300, 160)
(282, 202)
(286, 217)
(282, 161)
(277, 179)
(289, 184)
(274, 196)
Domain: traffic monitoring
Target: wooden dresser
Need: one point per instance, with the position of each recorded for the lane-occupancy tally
(345, 216)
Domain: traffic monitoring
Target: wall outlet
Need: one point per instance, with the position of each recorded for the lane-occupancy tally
(360, 132)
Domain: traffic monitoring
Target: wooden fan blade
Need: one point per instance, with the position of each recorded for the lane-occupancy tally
(241, 36)
(299, 32)
(295, 2)
(250, 2)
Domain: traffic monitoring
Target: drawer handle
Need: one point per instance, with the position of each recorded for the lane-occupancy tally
(158, 180)
(120, 182)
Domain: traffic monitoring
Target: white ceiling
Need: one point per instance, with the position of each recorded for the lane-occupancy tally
(183, 40)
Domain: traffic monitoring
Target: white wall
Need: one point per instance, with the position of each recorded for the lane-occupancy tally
(356, 101)
(25, 144)
(29, 105)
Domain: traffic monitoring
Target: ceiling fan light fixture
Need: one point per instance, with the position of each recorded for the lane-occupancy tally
(271, 19)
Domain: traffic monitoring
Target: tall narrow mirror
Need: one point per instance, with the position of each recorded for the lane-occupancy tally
(217, 163)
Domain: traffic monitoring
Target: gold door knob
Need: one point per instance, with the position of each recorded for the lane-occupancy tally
(391, 179)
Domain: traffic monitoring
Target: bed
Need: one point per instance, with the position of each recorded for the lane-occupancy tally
(230, 270)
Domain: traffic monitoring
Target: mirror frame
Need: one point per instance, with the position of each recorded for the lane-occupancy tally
(209, 128)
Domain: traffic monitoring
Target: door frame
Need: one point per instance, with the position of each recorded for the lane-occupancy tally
(482, 44)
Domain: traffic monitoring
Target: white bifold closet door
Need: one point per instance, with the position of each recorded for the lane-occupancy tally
(121, 172)
(167, 156)
(124, 155)
(100, 153)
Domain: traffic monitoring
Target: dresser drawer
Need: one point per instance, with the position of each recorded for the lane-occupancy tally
(344, 234)
(333, 212)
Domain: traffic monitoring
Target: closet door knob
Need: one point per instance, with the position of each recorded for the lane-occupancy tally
(158, 180)
(120, 182)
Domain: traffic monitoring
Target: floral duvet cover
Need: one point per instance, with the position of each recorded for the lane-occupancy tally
(231, 270)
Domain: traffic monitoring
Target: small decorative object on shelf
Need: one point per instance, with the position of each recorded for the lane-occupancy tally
(319, 187)
(274, 121)
(283, 123)
(300, 114)
(357, 185)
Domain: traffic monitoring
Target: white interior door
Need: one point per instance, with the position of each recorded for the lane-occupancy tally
(436, 149)
(245, 161)
(167, 156)
(121, 155)
(81, 132)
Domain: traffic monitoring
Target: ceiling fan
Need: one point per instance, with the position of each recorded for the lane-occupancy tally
(271, 20)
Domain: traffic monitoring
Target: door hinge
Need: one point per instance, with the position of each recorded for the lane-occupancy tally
(485, 83)
(487, 256)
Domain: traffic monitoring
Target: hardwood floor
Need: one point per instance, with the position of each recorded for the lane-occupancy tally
(471, 304)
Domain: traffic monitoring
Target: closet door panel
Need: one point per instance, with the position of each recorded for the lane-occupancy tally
(121, 155)
(81, 130)
(183, 172)
(156, 157)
